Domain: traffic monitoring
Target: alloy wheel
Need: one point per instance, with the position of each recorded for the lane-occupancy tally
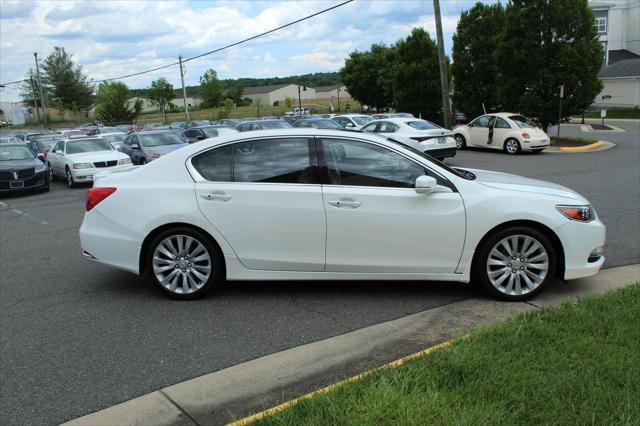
(517, 265)
(182, 264)
(512, 146)
(459, 142)
(69, 179)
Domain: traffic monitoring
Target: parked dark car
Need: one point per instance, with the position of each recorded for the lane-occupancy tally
(147, 146)
(196, 134)
(21, 169)
(318, 123)
(246, 126)
(190, 124)
(43, 145)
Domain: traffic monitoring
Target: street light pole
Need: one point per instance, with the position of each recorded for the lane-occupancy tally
(338, 99)
(560, 113)
(299, 102)
(44, 108)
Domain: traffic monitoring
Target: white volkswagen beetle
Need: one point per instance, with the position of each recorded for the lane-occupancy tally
(312, 204)
(512, 133)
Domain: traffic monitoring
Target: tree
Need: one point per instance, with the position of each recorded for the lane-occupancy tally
(210, 89)
(65, 82)
(27, 92)
(548, 43)
(366, 78)
(235, 93)
(475, 71)
(161, 93)
(227, 107)
(415, 76)
(112, 105)
(288, 102)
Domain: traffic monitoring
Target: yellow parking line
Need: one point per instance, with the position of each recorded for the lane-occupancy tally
(582, 148)
(291, 403)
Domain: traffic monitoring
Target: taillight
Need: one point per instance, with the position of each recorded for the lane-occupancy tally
(420, 138)
(96, 195)
(45, 153)
(525, 135)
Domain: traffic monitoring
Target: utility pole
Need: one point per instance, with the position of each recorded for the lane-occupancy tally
(338, 99)
(444, 78)
(560, 114)
(35, 102)
(299, 101)
(44, 108)
(184, 92)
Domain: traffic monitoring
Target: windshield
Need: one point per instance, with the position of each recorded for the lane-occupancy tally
(522, 121)
(422, 125)
(462, 174)
(361, 121)
(160, 139)
(13, 152)
(275, 125)
(88, 145)
(114, 138)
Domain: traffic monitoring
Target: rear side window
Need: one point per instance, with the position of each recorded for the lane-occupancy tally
(266, 161)
(215, 165)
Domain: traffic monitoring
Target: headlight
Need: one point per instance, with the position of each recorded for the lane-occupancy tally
(153, 156)
(579, 213)
(40, 168)
(82, 166)
(124, 161)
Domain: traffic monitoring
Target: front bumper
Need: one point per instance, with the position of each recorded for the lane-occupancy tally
(578, 241)
(37, 180)
(86, 175)
(442, 152)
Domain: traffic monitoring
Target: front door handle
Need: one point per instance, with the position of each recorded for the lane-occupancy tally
(345, 203)
(216, 196)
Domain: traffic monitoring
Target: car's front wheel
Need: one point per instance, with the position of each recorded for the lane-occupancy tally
(70, 182)
(461, 142)
(184, 263)
(515, 263)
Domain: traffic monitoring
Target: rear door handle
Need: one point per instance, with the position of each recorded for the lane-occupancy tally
(216, 196)
(343, 203)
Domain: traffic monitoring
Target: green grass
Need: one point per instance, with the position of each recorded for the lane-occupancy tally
(576, 364)
(572, 140)
(614, 113)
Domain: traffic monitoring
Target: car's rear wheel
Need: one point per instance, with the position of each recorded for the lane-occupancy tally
(143, 161)
(184, 263)
(515, 263)
(52, 177)
(70, 181)
(461, 142)
(512, 146)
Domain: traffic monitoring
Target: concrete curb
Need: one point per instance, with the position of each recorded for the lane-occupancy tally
(236, 392)
(594, 147)
(588, 128)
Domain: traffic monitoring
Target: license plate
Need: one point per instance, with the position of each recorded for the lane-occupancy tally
(16, 184)
(442, 140)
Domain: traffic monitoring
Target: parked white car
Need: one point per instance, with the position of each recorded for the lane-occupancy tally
(417, 133)
(115, 138)
(77, 160)
(312, 204)
(352, 121)
(512, 133)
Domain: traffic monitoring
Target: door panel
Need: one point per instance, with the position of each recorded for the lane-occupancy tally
(376, 222)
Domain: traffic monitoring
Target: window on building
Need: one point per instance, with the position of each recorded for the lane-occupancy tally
(601, 25)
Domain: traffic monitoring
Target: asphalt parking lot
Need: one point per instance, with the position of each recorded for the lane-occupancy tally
(76, 336)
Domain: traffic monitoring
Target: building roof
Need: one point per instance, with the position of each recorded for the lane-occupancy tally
(328, 88)
(264, 89)
(624, 68)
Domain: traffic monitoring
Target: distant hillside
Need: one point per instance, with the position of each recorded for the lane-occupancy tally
(312, 80)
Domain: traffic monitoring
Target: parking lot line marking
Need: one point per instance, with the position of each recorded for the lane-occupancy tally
(30, 216)
(3, 204)
(273, 410)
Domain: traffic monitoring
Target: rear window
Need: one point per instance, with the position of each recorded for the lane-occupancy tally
(522, 121)
(422, 125)
(275, 125)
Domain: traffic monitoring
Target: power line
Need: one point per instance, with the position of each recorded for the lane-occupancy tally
(215, 50)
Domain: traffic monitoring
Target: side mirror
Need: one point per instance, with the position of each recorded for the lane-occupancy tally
(135, 146)
(41, 157)
(200, 138)
(426, 184)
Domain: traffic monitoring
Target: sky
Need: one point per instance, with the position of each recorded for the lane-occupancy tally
(115, 38)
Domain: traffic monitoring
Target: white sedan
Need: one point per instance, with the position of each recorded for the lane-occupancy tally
(77, 160)
(512, 133)
(417, 133)
(352, 121)
(312, 204)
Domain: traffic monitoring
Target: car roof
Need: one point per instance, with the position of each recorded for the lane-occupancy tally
(262, 121)
(353, 115)
(398, 120)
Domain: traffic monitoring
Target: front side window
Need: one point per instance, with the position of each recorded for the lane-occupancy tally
(59, 146)
(386, 127)
(357, 163)
(482, 121)
(370, 128)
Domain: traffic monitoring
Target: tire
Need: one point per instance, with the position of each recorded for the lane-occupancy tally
(537, 151)
(461, 142)
(508, 277)
(143, 161)
(512, 146)
(52, 177)
(177, 277)
(70, 182)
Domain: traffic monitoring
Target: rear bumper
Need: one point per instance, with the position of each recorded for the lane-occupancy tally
(442, 152)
